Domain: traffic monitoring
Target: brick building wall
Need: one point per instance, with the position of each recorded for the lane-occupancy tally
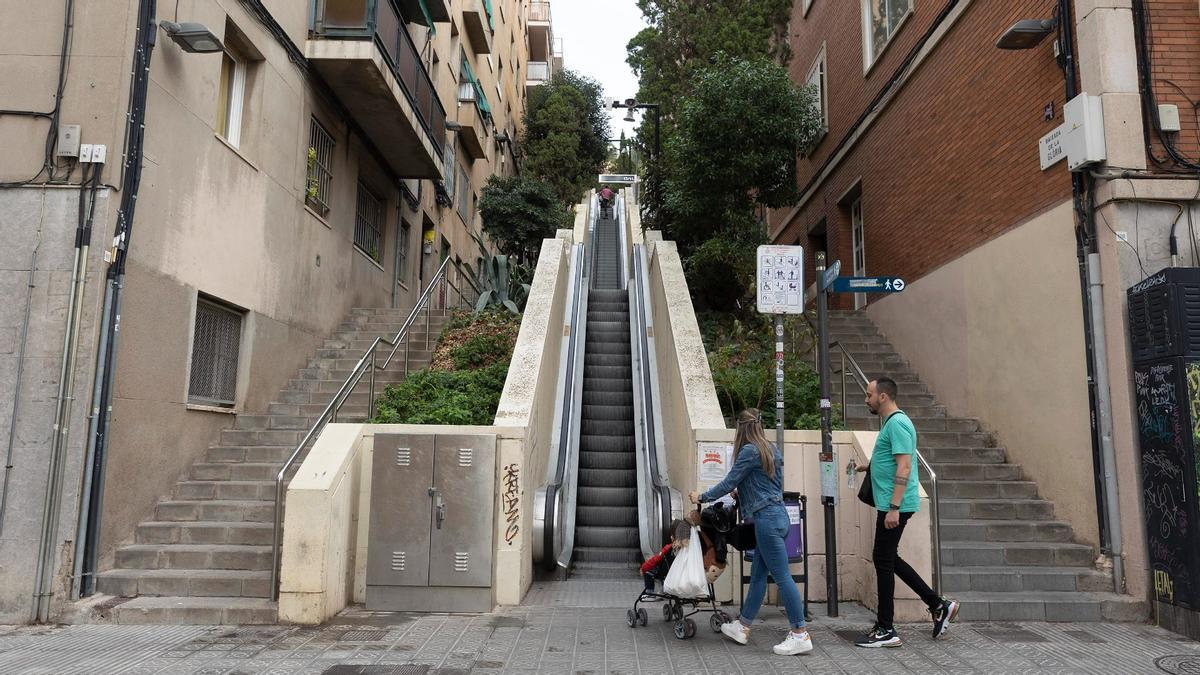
(1175, 56)
(953, 159)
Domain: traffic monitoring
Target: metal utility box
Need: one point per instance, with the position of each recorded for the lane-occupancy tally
(432, 525)
(1164, 315)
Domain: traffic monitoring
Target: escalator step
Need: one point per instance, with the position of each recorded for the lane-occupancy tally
(606, 516)
(607, 460)
(608, 372)
(608, 305)
(608, 478)
(607, 496)
(605, 384)
(594, 359)
(621, 348)
(588, 554)
(589, 443)
(618, 428)
(596, 315)
(609, 326)
(608, 397)
(607, 537)
(607, 412)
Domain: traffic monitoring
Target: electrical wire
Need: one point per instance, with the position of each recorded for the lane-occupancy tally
(1143, 32)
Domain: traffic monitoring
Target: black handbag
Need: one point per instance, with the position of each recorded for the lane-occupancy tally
(743, 537)
(865, 494)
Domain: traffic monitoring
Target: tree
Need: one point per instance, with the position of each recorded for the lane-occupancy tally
(518, 213)
(686, 36)
(734, 150)
(565, 142)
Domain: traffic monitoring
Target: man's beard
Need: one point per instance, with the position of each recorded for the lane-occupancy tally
(874, 410)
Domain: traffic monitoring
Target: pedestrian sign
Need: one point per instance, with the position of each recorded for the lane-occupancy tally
(780, 286)
(831, 273)
(868, 285)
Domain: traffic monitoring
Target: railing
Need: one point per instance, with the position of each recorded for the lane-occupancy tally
(659, 488)
(382, 21)
(861, 380)
(366, 367)
(539, 11)
(539, 71)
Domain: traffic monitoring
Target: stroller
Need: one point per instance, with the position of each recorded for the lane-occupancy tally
(717, 523)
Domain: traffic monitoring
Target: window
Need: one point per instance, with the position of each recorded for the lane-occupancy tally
(402, 246)
(857, 237)
(216, 343)
(320, 167)
(368, 224)
(881, 19)
(450, 163)
(231, 98)
(817, 79)
(464, 196)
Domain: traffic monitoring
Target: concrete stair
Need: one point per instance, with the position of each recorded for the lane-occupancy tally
(1004, 555)
(205, 556)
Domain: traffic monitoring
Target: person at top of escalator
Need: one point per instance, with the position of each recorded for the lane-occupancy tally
(606, 198)
(757, 473)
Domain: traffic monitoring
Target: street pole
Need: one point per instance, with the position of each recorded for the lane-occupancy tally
(779, 382)
(828, 464)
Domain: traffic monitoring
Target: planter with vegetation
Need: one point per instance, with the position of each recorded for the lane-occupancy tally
(462, 385)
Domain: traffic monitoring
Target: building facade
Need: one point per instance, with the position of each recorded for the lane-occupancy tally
(929, 170)
(329, 155)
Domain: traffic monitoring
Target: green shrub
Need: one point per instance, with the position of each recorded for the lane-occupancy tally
(465, 379)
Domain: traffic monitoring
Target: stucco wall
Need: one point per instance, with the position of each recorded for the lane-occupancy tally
(997, 334)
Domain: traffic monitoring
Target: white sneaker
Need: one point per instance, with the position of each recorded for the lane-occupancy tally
(794, 644)
(736, 630)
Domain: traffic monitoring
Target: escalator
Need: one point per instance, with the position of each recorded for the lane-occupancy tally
(606, 503)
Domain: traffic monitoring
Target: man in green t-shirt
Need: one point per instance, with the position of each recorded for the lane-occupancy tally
(895, 486)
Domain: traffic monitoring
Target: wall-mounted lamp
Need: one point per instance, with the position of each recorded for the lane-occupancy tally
(193, 38)
(1027, 33)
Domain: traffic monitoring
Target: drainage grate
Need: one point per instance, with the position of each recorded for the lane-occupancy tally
(1179, 664)
(364, 636)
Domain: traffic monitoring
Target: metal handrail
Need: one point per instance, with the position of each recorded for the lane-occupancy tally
(649, 428)
(366, 365)
(861, 380)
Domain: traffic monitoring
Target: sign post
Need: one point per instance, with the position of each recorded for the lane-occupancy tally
(828, 462)
(780, 292)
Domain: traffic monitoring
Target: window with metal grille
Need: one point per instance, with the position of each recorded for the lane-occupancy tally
(402, 251)
(216, 342)
(320, 167)
(464, 196)
(368, 224)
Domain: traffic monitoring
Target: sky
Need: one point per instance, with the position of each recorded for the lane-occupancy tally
(594, 34)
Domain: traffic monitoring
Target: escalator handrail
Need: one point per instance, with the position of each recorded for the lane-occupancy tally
(650, 443)
(553, 488)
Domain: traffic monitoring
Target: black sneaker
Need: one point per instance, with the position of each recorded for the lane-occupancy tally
(880, 637)
(943, 614)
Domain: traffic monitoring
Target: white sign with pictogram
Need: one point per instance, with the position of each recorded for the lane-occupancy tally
(780, 280)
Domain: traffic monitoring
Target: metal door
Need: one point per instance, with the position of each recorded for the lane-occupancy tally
(401, 510)
(461, 539)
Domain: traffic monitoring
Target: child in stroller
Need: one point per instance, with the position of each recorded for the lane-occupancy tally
(716, 522)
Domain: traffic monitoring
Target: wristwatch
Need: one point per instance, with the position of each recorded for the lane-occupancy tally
(893, 507)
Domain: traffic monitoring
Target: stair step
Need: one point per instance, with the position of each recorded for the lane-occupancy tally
(196, 583)
(260, 454)
(238, 471)
(194, 557)
(226, 611)
(975, 489)
(254, 490)
(205, 532)
(1051, 606)
(1021, 579)
(256, 511)
(940, 456)
(1005, 530)
(996, 509)
(973, 471)
(243, 437)
(994, 554)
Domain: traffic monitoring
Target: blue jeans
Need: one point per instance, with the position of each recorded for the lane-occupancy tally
(770, 556)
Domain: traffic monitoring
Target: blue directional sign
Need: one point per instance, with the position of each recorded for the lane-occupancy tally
(831, 273)
(868, 285)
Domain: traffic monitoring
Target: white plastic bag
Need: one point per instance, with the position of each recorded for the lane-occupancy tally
(686, 578)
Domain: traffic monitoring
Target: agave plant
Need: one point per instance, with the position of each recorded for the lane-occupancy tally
(498, 281)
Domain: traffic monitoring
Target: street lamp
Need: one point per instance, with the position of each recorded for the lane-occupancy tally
(631, 105)
(1027, 33)
(193, 38)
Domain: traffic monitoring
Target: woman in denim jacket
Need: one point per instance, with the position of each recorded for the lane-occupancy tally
(757, 474)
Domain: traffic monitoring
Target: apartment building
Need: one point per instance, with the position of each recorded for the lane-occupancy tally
(299, 159)
(929, 170)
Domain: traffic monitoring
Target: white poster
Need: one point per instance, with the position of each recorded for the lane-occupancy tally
(780, 279)
(715, 459)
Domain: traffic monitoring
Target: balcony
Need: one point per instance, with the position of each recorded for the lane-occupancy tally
(362, 49)
(537, 73)
(539, 13)
(478, 22)
(474, 114)
(415, 11)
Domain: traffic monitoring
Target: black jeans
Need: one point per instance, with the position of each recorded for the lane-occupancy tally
(889, 565)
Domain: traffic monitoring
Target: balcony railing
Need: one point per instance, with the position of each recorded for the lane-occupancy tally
(381, 21)
(539, 11)
(539, 71)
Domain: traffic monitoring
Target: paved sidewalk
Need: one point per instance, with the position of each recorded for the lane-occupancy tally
(554, 638)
